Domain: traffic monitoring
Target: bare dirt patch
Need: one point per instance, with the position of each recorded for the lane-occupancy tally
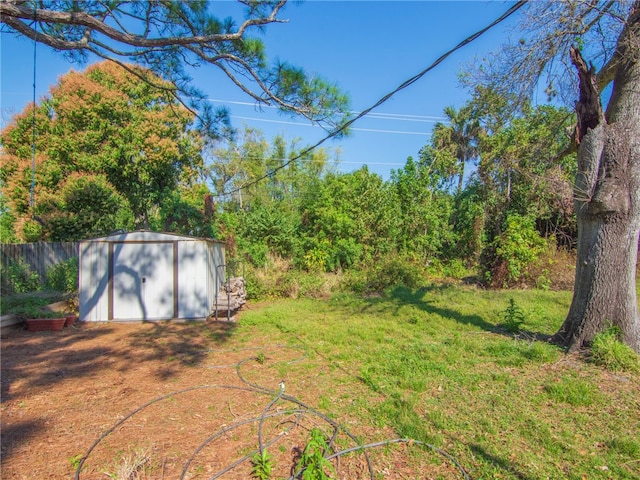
(170, 400)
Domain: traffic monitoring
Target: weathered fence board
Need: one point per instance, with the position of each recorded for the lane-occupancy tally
(39, 256)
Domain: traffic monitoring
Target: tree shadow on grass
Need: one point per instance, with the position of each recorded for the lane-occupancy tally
(403, 296)
(503, 464)
(406, 296)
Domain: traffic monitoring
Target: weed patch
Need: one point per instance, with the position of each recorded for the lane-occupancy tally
(608, 351)
(574, 391)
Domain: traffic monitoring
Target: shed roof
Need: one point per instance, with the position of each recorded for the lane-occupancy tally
(148, 236)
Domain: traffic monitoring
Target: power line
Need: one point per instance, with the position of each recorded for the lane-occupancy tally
(378, 115)
(406, 117)
(382, 100)
(285, 122)
(32, 188)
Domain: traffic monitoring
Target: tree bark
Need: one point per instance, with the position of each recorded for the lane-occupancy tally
(607, 201)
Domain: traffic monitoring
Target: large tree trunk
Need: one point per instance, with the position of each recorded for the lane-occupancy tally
(607, 201)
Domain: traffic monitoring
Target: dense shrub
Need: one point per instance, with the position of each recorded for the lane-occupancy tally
(390, 271)
(18, 277)
(512, 252)
(63, 277)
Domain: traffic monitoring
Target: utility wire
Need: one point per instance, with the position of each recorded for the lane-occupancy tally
(382, 100)
(33, 125)
(380, 115)
(300, 411)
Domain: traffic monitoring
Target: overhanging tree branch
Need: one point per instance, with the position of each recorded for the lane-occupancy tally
(15, 14)
(167, 36)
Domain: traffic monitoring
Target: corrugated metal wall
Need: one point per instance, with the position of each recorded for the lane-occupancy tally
(93, 282)
(193, 271)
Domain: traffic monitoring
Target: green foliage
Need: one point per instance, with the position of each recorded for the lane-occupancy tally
(257, 253)
(32, 231)
(313, 465)
(456, 143)
(469, 224)
(74, 460)
(519, 246)
(316, 258)
(262, 465)
(512, 317)
(256, 286)
(448, 269)
(425, 227)
(17, 277)
(610, 352)
(392, 271)
(360, 225)
(86, 206)
(185, 211)
(7, 222)
(110, 149)
(296, 284)
(316, 94)
(29, 310)
(345, 220)
(63, 277)
(270, 226)
(278, 280)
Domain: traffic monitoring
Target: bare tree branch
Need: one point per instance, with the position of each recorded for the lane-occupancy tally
(543, 39)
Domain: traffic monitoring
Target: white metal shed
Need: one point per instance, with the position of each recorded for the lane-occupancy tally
(146, 275)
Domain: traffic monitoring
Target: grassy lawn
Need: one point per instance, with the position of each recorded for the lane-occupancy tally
(435, 365)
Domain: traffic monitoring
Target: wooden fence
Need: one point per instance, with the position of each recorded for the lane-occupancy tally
(39, 256)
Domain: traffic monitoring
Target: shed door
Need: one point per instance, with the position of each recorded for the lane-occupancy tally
(143, 281)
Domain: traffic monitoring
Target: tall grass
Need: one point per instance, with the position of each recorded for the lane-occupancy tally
(436, 365)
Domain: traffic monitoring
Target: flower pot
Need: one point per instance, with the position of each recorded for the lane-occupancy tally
(44, 324)
(70, 320)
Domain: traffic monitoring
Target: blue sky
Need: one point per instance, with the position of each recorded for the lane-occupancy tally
(367, 47)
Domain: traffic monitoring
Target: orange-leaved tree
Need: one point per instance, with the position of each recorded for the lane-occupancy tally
(108, 148)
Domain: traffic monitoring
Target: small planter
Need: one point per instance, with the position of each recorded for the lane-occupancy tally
(45, 324)
(70, 320)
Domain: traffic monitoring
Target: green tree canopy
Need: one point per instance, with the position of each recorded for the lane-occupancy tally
(132, 142)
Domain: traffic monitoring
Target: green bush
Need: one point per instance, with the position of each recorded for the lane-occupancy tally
(63, 277)
(453, 269)
(18, 277)
(278, 280)
(256, 286)
(256, 253)
(391, 271)
(519, 246)
(295, 284)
